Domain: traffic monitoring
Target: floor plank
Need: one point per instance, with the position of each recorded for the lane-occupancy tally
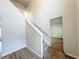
(53, 52)
(22, 54)
(56, 51)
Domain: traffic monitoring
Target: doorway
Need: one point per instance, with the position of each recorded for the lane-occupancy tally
(56, 32)
(55, 51)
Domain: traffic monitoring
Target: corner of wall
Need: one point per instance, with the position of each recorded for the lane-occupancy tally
(70, 54)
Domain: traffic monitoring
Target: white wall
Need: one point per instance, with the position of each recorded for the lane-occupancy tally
(0, 28)
(42, 16)
(33, 39)
(49, 9)
(13, 33)
(70, 28)
(77, 1)
(56, 8)
(56, 30)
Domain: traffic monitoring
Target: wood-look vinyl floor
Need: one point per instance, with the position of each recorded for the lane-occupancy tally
(56, 51)
(53, 52)
(22, 54)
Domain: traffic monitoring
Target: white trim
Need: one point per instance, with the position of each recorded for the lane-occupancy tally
(34, 52)
(41, 46)
(13, 51)
(71, 55)
(34, 27)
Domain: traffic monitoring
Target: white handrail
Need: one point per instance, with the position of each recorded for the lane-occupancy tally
(34, 27)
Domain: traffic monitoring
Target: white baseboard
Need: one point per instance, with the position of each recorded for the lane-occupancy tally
(13, 51)
(34, 52)
(71, 55)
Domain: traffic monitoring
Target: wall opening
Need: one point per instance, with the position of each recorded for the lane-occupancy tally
(56, 33)
(56, 27)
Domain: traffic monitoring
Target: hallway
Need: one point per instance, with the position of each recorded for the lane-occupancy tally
(56, 51)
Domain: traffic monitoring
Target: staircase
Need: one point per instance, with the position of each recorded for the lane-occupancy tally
(37, 39)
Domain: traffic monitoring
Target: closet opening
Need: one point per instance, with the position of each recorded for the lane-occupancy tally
(56, 33)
